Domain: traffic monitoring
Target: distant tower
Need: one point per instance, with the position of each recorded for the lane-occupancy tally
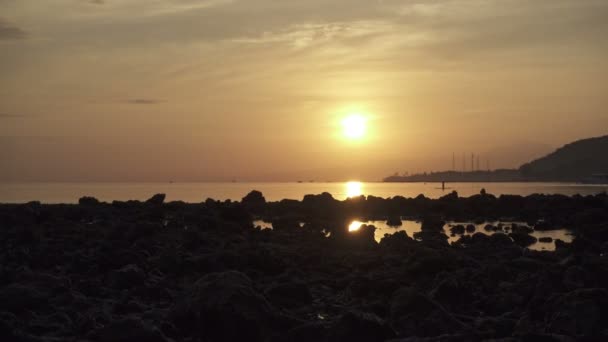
(488, 164)
(453, 161)
(464, 163)
(472, 162)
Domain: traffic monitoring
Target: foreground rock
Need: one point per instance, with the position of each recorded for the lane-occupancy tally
(157, 271)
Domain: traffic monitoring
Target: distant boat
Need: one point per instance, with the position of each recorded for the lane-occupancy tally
(598, 178)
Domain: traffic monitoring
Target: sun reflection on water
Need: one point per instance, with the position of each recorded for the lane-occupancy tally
(354, 226)
(354, 189)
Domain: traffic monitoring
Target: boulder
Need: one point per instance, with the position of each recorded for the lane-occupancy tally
(490, 228)
(394, 221)
(157, 199)
(522, 239)
(457, 229)
(414, 314)
(18, 298)
(88, 201)
(128, 330)
(225, 307)
(470, 228)
(582, 312)
(128, 276)
(290, 294)
(254, 201)
(432, 224)
(358, 326)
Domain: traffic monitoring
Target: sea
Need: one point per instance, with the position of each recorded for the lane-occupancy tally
(52, 193)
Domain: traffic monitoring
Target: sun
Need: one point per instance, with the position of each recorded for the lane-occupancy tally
(355, 126)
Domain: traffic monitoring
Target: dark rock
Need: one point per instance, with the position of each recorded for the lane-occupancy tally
(225, 307)
(157, 199)
(17, 298)
(398, 241)
(364, 236)
(562, 245)
(360, 326)
(522, 239)
(88, 201)
(457, 229)
(414, 314)
(470, 228)
(452, 293)
(519, 229)
(129, 276)
(254, 201)
(579, 313)
(543, 225)
(433, 224)
(500, 239)
(490, 228)
(545, 239)
(129, 330)
(575, 277)
(314, 331)
(292, 294)
(394, 221)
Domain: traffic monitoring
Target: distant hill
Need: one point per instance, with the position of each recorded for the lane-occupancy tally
(579, 161)
(573, 162)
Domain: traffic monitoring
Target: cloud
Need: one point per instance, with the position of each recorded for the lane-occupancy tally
(144, 101)
(8, 32)
(10, 116)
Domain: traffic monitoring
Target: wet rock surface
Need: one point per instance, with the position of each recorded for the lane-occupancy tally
(172, 271)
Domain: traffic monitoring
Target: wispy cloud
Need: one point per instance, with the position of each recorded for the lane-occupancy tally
(10, 116)
(142, 101)
(9, 32)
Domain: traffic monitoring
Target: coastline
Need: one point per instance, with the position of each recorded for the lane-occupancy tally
(172, 271)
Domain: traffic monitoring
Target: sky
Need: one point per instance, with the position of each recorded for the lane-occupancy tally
(217, 90)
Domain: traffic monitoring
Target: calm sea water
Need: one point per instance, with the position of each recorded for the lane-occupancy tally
(198, 192)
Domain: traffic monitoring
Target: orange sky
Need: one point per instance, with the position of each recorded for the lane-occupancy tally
(155, 90)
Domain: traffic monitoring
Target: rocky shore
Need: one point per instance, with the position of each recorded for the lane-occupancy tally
(157, 271)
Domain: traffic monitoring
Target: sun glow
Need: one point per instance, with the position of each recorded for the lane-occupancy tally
(355, 126)
(354, 189)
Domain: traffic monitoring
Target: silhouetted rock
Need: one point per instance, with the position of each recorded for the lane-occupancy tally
(225, 307)
(128, 277)
(545, 239)
(129, 330)
(202, 272)
(88, 201)
(254, 201)
(414, 314)
(433, 224)
(523, 239)
(157, 199)
(457, 229)
(394, 221)
(18, 298)
(579, 313)
(291, 294)
(490, 228)
(470, 228)
(519, 229)
(360, 326)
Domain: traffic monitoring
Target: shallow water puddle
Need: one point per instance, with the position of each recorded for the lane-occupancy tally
(411, 227)
(505, 228)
